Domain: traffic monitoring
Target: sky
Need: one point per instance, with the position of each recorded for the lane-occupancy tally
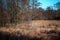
(46, 3)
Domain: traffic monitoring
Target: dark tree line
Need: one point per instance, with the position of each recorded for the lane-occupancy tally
(16, 11)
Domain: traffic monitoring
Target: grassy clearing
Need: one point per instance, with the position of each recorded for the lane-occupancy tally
(33, 28)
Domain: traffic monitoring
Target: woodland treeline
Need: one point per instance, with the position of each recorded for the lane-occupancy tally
(15, 11)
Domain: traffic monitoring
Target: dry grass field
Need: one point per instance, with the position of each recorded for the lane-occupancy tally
(35, 28)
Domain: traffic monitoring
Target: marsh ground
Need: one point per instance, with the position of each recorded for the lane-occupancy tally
(45, 29)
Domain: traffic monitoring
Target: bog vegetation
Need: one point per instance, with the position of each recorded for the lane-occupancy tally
(28, 21)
